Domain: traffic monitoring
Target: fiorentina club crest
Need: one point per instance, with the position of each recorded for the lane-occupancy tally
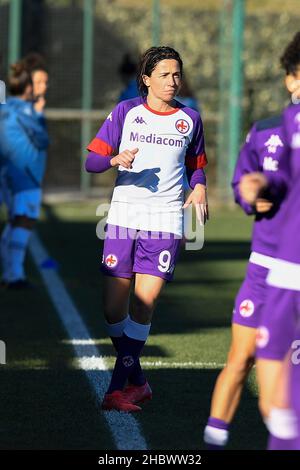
(182, 126)
(111, 261)
(247, 308)
(262, 337)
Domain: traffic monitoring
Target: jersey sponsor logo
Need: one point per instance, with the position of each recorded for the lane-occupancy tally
(262, 337)
(182, 126)
(109, 117)
(296, 141)
(273, 143)
(128, 361)
(154, 139)
(111, 261)
(246, 308)
(270, 164)
(139, 120)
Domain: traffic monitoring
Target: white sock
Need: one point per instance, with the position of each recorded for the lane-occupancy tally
(17, 250)
(282, 423)
(4, 242)
(216, 436)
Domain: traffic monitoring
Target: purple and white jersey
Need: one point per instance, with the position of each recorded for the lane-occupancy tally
(262, 152)
(149, 196)
(286, 272)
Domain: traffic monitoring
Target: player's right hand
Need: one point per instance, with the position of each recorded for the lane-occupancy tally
(124, 158)
(251, 186)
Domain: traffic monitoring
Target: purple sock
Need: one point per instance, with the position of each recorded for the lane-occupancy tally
(218, 423)
(275, 443)
(137, 376)
(128, 355)
(212, 440)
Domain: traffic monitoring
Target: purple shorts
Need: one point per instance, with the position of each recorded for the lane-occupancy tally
(251, 297)
(278, 323)
(128, 251)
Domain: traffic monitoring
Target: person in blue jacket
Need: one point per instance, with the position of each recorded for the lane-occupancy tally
(128, 71)
(23, 144)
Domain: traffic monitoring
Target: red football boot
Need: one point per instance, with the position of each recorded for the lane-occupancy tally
(138, 394)
(118, 401)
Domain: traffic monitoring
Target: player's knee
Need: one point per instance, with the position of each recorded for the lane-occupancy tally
(112, 312)
(142, 310)
(239, 363)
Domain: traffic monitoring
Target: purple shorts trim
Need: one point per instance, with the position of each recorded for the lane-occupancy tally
(250, 300)
(128, 251)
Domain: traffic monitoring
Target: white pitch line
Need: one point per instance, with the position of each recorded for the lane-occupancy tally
(192, 365)
(124, 427)
(93, 363)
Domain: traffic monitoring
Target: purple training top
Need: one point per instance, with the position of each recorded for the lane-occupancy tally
(107, 142)
(289, 248)
(262, 152)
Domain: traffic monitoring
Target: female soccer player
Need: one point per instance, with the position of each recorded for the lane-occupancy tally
(154, 139)
(259, 157)
(24, 140)
(278, 332)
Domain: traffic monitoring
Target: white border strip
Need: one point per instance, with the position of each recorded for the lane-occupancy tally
(285, 275)
(262, 260)
(124, 427)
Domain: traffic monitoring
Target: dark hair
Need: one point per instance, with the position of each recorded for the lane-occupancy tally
(290, 60)
(19, 79)
(34, 62)
(149, 61)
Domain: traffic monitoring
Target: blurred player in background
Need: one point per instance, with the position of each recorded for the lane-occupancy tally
(259, 160)
(154, 138)
(278, 333)
(36, 64)
(277, 362)
(128, 72)
(23, 145)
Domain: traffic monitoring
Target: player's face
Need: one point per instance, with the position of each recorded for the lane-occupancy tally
(40, 83)
(292, 82)
(164, 81)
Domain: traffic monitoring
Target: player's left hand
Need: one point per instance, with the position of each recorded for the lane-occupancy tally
(251, 185)
(198, 198)
(263, 205)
